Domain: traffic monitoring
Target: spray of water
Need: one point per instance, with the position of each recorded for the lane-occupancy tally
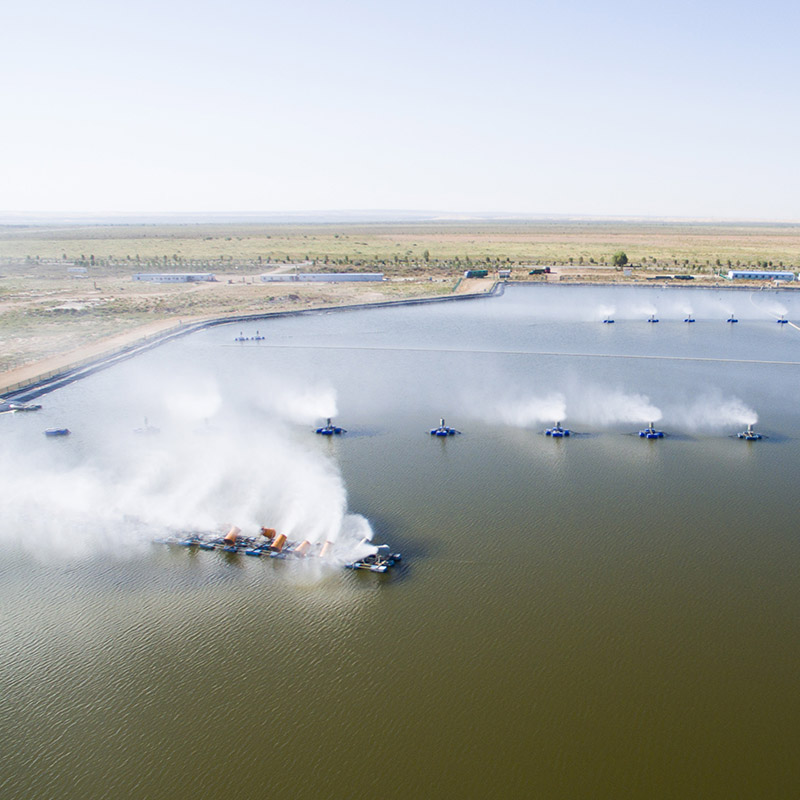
(602, 406)
(644, 310)
(248, 469)
(776, 309)
(523, 413)
(298, 403)
(605, 312)
(713, 411)
(200, 401)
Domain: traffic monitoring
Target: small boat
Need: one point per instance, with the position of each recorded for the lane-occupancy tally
(57, 432)
(329, 429)
(749, 435)
(376, 562)
(651, 433)
(557, 432)
(653, 318)
(443, 430)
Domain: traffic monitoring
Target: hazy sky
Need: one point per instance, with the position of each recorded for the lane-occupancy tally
(684, 109)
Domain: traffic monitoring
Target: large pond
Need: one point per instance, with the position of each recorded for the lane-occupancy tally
(595, 616)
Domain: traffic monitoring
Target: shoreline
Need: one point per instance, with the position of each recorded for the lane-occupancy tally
(32, 381)
(40, 377)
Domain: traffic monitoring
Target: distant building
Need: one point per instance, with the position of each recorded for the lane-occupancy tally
(77, 272)
(758, 275)
(504, 273)
(174, 277)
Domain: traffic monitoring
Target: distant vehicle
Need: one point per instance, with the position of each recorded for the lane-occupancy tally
(476, 273)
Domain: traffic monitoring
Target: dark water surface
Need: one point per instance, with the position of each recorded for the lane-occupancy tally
(601, 616)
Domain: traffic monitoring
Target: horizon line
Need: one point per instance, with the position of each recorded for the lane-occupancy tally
(25, 217)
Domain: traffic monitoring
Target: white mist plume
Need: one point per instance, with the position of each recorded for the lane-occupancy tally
(605, 312)
(116, 499)
(201, 401)
(601, 406)
(714, 411)
(532, 410)
(777, 309)
(645, 310)
(300, 404)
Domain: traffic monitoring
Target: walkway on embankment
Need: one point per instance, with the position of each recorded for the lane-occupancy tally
(32, 380)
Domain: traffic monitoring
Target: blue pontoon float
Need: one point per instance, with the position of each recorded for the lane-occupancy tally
(557, 432)
(443, 430)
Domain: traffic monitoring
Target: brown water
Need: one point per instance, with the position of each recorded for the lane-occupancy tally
(602, 616)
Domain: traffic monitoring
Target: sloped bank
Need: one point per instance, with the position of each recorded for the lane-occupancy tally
(54, 379)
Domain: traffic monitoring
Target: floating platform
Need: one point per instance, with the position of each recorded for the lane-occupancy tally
(557, 432)
(147, 429)
(377, 562)
(653, 318)
(608, 321)
(15, 406)
(731, 319)
(749, 435)
(57, 432)
(329, 429)
(782, 321)
(270, 544)
(651, 433)
(690, 319)
(443, 430)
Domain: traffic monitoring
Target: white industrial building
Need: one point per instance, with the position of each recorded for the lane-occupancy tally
(174, 277)
(759, 275)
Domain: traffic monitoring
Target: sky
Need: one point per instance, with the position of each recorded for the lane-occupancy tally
(620, 108)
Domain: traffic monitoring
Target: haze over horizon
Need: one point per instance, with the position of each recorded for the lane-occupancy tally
(537, 110)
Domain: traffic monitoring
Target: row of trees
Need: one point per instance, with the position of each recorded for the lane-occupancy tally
(619, 259)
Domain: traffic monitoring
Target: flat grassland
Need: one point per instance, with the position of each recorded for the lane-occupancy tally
(45, 313)
(660, 243)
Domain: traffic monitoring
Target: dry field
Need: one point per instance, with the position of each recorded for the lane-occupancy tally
(46, 314)
(401, 245)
